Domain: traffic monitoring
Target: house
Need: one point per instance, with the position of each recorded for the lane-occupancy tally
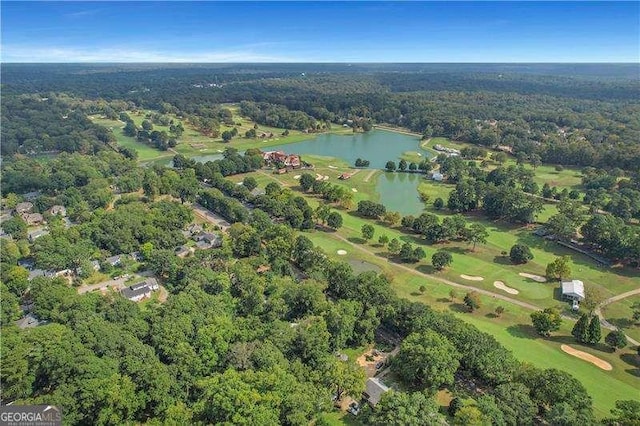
(137, 292)
(137, 256)
(27, 263)
(345, 176)
(34, 235)
(114, 260)
(28, 321)
(63, 273)
(23, 208)
(95, 266)
(40, 273)
(209, 237)
(182, 251)
(193, 229)
(437, 176)
(374, 389)
(573, 290)
(292, 161)
(32, 219)
(58, 210)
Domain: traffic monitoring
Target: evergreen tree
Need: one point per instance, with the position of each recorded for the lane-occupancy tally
(594, 332)
(581, 329)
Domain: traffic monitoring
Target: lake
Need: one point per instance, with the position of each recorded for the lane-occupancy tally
(377, 146)
(399, 192)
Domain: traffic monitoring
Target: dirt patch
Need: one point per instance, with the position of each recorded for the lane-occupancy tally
(369, 359)
(471, 277)
(587, 357)
(341, 252)
(500, 285)
(533, 277)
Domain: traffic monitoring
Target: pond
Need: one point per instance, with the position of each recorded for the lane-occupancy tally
(196, 158)
(377, 146)
(399, 192)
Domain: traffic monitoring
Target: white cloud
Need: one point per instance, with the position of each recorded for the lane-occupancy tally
(64, 54)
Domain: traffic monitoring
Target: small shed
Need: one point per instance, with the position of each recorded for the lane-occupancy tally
(573, 290)
(374, 389)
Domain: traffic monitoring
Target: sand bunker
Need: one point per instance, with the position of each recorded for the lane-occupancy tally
(500, 285)
(354, 190)
(587, 357)
(341, 252)
(325, 178)
(533, 277)
(332, 167)
(296, 177)
(471, 277)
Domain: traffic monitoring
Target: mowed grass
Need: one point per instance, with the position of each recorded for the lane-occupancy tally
(193, 143)
(512, 329)
(145, 152)
(486, 261)
(568, 177)
(620, 314)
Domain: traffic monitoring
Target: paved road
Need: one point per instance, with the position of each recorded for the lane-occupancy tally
(118, 284)
(607, 324)
(210, 216)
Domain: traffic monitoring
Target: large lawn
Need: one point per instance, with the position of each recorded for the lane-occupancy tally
(620, 314)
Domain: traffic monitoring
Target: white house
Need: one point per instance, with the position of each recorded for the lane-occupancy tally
(573, 290)
(141, 290)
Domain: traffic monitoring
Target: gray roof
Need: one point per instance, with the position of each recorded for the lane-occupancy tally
(113, 260)
(374, 389)
(28, 321)
(139, 289)
(573, 288)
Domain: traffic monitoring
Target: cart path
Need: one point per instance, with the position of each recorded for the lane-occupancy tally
(370, 175)
(444, 280)
(525, 305)
(607, 324)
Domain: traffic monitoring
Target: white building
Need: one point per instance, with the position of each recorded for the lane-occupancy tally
(573, 290)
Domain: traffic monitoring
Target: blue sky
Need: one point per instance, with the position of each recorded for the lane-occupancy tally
(320, 32)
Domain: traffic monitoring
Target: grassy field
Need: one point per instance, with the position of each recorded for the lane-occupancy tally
(193, 143)
(487, 260)
(620, 314)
